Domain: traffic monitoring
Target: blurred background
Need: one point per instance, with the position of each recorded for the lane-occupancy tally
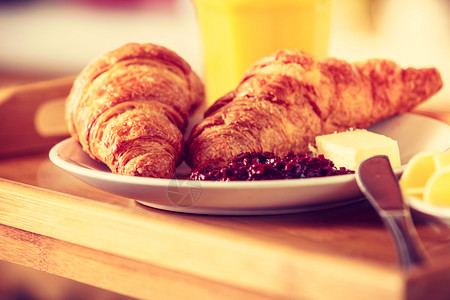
(42, 39)
(51, 38)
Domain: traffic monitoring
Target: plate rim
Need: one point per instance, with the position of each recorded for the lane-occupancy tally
(92, 173)
(441, 212)
(99, 178)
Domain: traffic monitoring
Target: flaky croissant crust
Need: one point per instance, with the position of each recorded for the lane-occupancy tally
(130, 107)
(285, 100)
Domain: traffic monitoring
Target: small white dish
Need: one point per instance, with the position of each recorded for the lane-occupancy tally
(414, 133)
(442, 213)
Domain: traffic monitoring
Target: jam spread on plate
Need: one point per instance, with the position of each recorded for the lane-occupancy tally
(251, 166)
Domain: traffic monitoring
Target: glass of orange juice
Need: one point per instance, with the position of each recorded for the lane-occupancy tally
(236, 33)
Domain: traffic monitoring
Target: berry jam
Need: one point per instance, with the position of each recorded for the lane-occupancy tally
(252, 166)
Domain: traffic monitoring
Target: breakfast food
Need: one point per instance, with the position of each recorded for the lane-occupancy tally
(436, 191)
(427, 177)
(285, 100)
(348, 148)
(417, 171)
(268, 166)
(129, 108)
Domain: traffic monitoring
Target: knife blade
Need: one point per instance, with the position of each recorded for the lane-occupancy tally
(379, 184)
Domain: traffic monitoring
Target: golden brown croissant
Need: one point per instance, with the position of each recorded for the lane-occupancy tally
(129, 107)
(284, 101)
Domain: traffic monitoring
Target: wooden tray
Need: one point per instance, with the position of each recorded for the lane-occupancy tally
(53, 222)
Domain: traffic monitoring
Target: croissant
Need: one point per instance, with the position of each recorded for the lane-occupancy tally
(130, 107)
(285, 100)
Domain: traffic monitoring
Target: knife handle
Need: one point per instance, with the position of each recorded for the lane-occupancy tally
(410, 249)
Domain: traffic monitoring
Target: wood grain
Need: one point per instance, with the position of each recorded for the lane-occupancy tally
(110, 272)
(285, 256)
(218, 254)
(53, 222)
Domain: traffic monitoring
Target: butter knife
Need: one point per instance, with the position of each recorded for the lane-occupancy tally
(379, 184)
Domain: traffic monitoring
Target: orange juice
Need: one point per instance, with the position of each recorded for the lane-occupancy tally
(236, 33)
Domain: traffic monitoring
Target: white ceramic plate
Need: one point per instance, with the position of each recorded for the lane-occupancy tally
(443, 213)
(413, 133)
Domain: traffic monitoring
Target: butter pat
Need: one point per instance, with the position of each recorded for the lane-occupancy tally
(347, 149)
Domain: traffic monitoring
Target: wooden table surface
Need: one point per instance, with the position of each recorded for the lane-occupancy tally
(53, 222)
